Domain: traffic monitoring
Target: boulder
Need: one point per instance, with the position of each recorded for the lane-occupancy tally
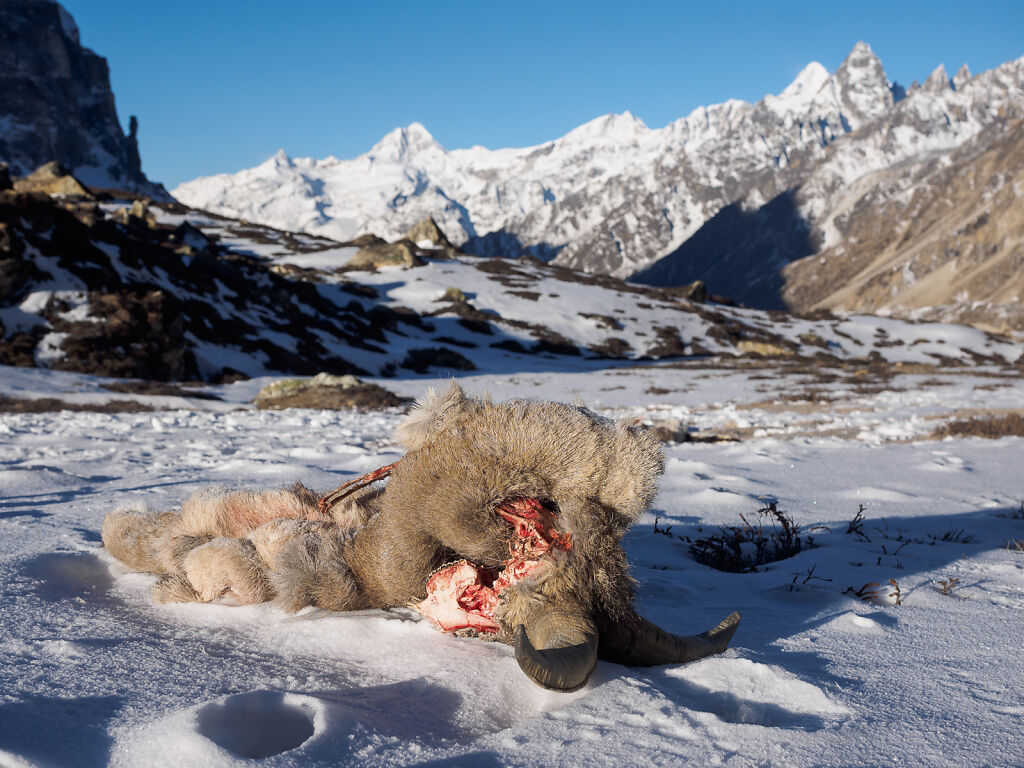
(762, 348)
(191, 236)
(401, 253)
(427, 231)
(135, 215)
(328, 392)
(368, 239)
(670, 430)
(454, 295)
(52, 179)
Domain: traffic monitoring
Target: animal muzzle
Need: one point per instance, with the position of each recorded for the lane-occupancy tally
(558, 650)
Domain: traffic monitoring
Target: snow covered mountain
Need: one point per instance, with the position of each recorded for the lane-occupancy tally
(613, 196)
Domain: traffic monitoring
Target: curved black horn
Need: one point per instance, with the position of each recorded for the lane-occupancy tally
(639, 643)
(557, 650)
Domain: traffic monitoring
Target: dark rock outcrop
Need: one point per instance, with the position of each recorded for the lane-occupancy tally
(56, 104)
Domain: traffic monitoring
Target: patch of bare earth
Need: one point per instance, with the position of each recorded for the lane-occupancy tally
(50, 404)
(158, 388)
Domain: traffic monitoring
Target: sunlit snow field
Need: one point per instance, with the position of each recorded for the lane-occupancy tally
(92, 672)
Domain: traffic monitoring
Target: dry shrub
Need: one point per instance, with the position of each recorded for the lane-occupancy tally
(741, 548)
(992, 426)
(873, 592)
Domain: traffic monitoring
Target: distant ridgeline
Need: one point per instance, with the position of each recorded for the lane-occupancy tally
(56, 104)
(840, 193)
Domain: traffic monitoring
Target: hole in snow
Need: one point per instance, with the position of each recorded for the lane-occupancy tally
(61, 576)
(257, 724)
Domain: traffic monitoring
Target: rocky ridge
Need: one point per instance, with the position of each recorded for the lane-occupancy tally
(942, 238)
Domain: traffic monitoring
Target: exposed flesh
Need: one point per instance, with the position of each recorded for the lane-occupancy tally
(463, 595)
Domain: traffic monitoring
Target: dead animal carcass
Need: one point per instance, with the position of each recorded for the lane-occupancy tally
(503, 520)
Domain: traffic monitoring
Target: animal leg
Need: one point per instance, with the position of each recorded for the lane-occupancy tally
(174, 588)
(227, 565)
(312, 569)
(221, 512)
(133, 535)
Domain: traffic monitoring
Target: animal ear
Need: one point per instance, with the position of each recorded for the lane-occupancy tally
(431, 415)
(632, 481)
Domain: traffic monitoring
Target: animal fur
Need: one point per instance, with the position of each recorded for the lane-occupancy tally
(376, 549)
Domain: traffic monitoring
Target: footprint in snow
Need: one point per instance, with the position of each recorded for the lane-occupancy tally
(60, 576)
(257, 724)
(744, 691)
(944, 461)
(325, 727)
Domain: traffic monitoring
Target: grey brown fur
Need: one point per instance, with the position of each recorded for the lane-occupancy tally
(465, 457)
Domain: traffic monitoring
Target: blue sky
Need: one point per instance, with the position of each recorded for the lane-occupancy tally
(220, 85)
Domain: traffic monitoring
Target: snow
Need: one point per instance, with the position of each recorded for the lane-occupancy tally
(93, 673)
(570, 199)
(800, 94)
(587, 315)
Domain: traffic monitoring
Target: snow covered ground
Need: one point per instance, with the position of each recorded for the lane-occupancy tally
(92, 672)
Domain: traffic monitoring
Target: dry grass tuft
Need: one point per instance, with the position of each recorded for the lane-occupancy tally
(873, 592)
(49, 404)
(992, 427)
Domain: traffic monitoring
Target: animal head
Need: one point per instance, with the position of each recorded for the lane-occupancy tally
(469, 456)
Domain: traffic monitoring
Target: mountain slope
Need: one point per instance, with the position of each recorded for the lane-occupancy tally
(945, 234)
(613, 196)
(172, 293)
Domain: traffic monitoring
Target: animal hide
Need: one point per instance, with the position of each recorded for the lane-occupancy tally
(468, 462)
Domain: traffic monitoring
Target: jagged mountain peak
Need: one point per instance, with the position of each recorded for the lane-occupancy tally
(403, 143)
(862, 88)
(800, 94)
(861, 65)
(623, 126)
(862, 50)
(962, 77)
(937, 81)
(809, 81)
(280, 159)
